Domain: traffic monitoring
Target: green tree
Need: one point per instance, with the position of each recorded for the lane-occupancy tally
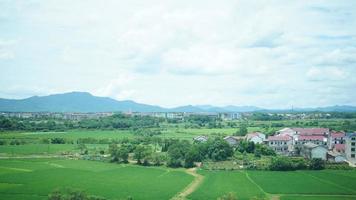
(141, 152)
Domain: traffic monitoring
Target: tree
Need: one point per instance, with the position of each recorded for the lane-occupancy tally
(141, 152)
(243, 129)
(113, 150)
(218, 149)
(123, 154)
(191, 156)
(177, 153)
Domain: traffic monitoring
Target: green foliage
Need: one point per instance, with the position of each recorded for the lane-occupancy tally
(218, 149)
(317, 164)
(242, 129)
(70, 194)
(142, 152)
(281, 164)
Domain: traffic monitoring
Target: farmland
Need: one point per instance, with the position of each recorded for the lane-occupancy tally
(35, 178)
(35, 163)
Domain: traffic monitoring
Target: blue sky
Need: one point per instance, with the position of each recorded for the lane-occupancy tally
(274, 54)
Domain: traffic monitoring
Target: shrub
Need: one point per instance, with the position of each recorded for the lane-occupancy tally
(317, 164)
(281, 164)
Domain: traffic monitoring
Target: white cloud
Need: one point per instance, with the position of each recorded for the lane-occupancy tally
(326, 74)
(272, 53)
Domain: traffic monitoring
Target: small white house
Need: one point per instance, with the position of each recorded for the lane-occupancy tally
(256, 137)
(233, 140)
(201, 138)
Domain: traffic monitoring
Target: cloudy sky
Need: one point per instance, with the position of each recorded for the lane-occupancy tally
(271, 54)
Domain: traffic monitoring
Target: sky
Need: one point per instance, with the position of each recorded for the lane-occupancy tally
(270, 53)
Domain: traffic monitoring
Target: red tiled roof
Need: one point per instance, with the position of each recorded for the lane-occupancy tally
(279, 138)
(311, 131)
(337, 134)
(311, 137)
(339, 147)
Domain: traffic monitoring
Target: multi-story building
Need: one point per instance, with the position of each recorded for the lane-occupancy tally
(281, 144)
(336, 141)
(350, 148)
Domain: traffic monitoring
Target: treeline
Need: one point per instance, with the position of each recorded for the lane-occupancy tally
(174, 153)
(117, 121)
(181, 153)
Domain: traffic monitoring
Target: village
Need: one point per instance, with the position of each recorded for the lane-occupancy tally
(310, 143)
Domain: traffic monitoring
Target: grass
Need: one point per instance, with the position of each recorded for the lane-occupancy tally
(35, 178)
(28, 149)
(218, 183)
(309, 185)
(303, 182)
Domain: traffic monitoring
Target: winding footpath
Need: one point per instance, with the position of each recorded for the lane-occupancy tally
(198, 179)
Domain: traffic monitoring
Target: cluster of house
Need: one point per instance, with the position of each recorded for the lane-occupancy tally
(311, 143)
(182, 115)
(57, 115)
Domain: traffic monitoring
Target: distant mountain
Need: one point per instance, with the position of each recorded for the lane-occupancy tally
(242, 108)
(73, 102)
(336, 108)
(85, 102)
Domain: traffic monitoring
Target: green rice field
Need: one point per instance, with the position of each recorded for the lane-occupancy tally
(35, 178)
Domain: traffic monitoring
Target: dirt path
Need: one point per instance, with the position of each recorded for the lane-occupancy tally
(198, 179)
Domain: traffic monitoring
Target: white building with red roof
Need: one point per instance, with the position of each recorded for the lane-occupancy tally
(282, 144)
(312, 131)
(317, 136)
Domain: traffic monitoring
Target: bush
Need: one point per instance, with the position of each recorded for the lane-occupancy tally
(338, 166)
(69, 194)
(281, 164)
(3, 142)
(317, 164)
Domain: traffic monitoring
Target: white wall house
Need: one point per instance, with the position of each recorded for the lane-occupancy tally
(257, 137)
(311, 150)
(201, 138)
(350, 147)
(281, 144)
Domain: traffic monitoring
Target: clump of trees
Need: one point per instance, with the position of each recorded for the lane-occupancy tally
(182, 153)
(291, 164)
(70, 194)
(257, 149)
(117, 121)
(179, 153)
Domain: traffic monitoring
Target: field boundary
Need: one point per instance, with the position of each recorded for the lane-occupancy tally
(268, 195)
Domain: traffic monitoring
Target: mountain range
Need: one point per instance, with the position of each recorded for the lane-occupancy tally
(85, 102)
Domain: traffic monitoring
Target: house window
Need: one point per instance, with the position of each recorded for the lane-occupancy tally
(353, 138)
(352, 149)
(352, 155)
(285, 142)
(353, 143)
